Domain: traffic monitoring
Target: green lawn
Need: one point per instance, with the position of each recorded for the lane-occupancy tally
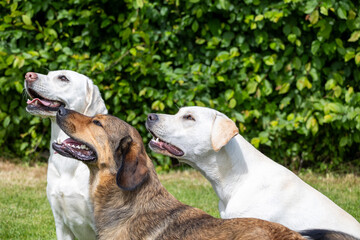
(26, 214)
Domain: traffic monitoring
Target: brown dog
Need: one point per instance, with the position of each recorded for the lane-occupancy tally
(129, 200)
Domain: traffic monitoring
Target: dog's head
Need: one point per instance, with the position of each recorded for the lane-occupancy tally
(62, 88)
(192, 132)
(105, 143)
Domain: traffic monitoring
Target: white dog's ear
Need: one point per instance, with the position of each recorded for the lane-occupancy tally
(94, 103)
(223, 130)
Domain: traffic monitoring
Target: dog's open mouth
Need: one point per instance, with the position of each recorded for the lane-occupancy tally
(74, 149)
(39, 102)
(158, 144)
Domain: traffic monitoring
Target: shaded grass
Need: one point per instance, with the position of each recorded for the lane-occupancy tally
(25, 212)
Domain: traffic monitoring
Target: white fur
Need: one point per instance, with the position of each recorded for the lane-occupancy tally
(67, 178)
(248, 183)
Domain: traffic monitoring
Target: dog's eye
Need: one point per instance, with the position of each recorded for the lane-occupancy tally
(96, 122)
(188, 117)
(63, 78)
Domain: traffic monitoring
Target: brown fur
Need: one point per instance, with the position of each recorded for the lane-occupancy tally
(129, 200)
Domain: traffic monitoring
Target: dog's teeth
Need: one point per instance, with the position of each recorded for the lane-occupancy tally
(78, 147)
(157, 139)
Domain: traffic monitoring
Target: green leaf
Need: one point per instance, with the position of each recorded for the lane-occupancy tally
(229, 94)
(26, 19)
(232, 103)
(133, 51)
(291, 37)
(357, 58)
(329, 118)
(19, 62)
(57, 47)
(310, 6)
(312, 125)
(284, 88)
(106, 22)
(130, 116)
(296, 62)
(314, 17)
(19, 87)
(267, 88)
(140, 3)
(333, 107)
(354, 36)
(337, 91)
(269, 60)
(255, 142)
(251, 87)
(195, 26)
(108, 95)
(323, 10)
(350, 54)
(24, 145)
(303, 82)
(343, 141)
(6, 122)
(315, 45)
(330, 84)
(290, 117)
(341, 12)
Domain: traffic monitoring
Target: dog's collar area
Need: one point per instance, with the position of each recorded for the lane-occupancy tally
(39, 102)
(157, 143)
(74, 149)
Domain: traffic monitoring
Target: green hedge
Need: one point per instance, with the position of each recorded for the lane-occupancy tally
(286, 71)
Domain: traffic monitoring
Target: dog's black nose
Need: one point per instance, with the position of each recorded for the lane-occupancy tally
(152, 117)
(62, 111)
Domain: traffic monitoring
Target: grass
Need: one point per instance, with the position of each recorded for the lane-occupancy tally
(25, 212)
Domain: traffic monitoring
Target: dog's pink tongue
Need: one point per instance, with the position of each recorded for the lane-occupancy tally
(161, 145)
(43, 102)
(32, 101)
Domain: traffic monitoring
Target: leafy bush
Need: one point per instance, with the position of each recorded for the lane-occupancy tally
(285, 71)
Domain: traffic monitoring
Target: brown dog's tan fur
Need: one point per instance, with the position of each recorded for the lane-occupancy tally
(129, 200)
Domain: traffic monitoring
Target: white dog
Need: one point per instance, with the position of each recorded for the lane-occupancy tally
(67, 179)
(248, 183)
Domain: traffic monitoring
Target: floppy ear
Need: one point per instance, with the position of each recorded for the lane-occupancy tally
(95, 104)
(223, 130)
(133, 171)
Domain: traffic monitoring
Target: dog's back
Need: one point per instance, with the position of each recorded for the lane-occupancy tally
(151, 212)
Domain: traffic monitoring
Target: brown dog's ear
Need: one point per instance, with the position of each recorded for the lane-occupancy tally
(133, 171)
(223, 130)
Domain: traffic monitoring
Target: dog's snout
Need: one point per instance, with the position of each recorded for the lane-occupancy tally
(62, 111)
(152, 117)
(31, 77)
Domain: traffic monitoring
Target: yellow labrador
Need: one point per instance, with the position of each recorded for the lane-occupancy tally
(67, 179)
(129, 200)
(248, 183)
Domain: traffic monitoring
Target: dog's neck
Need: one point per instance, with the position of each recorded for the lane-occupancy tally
(235, 162)
(115, 207)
